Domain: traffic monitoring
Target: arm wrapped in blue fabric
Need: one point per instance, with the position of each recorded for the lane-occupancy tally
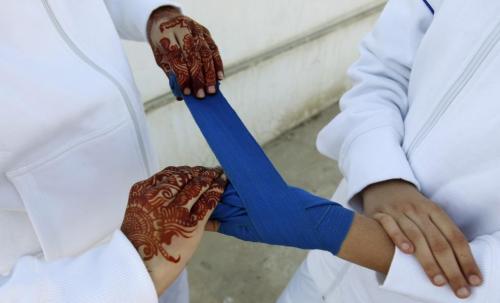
(327, 222)
(258, 205)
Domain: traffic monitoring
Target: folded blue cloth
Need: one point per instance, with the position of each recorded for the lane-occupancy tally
(258, 205)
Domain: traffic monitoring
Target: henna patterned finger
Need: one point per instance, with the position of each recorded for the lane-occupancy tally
(197, 187)
(176, 31)
(176, 61)
(208, 67)
(217, 59)
(193, 59)
(206, 59)
(208, 201)
(192, 192)
(213, 172)
(162, 61)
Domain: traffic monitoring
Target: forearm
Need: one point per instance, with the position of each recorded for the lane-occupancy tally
(368, 245)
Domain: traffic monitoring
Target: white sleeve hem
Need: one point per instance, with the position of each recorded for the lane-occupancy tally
(111, 273)
(375, 156)
(131, 16)
(148, 287)
(406, 277)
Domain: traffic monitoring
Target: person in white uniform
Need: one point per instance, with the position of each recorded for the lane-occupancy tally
(73, 140)
(417, 139)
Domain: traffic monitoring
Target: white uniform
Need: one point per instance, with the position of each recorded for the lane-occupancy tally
(73, 139)
(424, 108)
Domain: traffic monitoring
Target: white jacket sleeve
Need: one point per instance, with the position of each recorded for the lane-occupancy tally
(407, 277)
(366, 137)
(131, 16)
(111, 273)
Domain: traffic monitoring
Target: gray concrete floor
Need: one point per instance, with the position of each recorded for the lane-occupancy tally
(226, 270)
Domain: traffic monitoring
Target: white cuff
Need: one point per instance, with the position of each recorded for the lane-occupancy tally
(406, 277)
(111, 273)
(131, 16)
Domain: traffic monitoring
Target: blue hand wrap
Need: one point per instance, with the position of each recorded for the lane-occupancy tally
(258, 205)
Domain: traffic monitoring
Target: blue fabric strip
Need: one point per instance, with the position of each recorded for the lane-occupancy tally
(258, 204)
(429, 6)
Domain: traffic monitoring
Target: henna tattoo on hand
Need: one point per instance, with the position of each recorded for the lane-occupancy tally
(184, 47)
(209, 200)
(170, 204)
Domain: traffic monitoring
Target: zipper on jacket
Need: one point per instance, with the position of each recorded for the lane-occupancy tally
(107, 75)
(479, 58)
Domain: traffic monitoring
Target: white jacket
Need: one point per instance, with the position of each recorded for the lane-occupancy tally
(425, 108)
(72, 141)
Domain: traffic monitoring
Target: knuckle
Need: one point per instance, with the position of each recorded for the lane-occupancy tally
(395, 207)
(409, 208)
(440, 247)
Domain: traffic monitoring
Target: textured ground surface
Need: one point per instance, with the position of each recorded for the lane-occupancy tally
(226, 270)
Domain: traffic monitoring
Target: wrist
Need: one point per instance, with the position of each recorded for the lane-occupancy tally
(162, 274)
(368, 245)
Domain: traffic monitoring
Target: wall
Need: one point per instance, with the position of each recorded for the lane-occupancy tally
(285, 61)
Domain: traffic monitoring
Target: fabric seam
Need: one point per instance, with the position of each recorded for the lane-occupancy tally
(53, 156)
(426, 2)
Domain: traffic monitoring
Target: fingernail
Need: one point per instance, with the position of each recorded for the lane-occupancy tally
(220, 75)
(187, 91)
(475, 280)
(211, 89)
(439, 280)
(463, 292)
(405, 246)
(200, 94)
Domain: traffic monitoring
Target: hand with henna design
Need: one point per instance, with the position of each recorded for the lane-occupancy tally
(185, 48)
(166, 216)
